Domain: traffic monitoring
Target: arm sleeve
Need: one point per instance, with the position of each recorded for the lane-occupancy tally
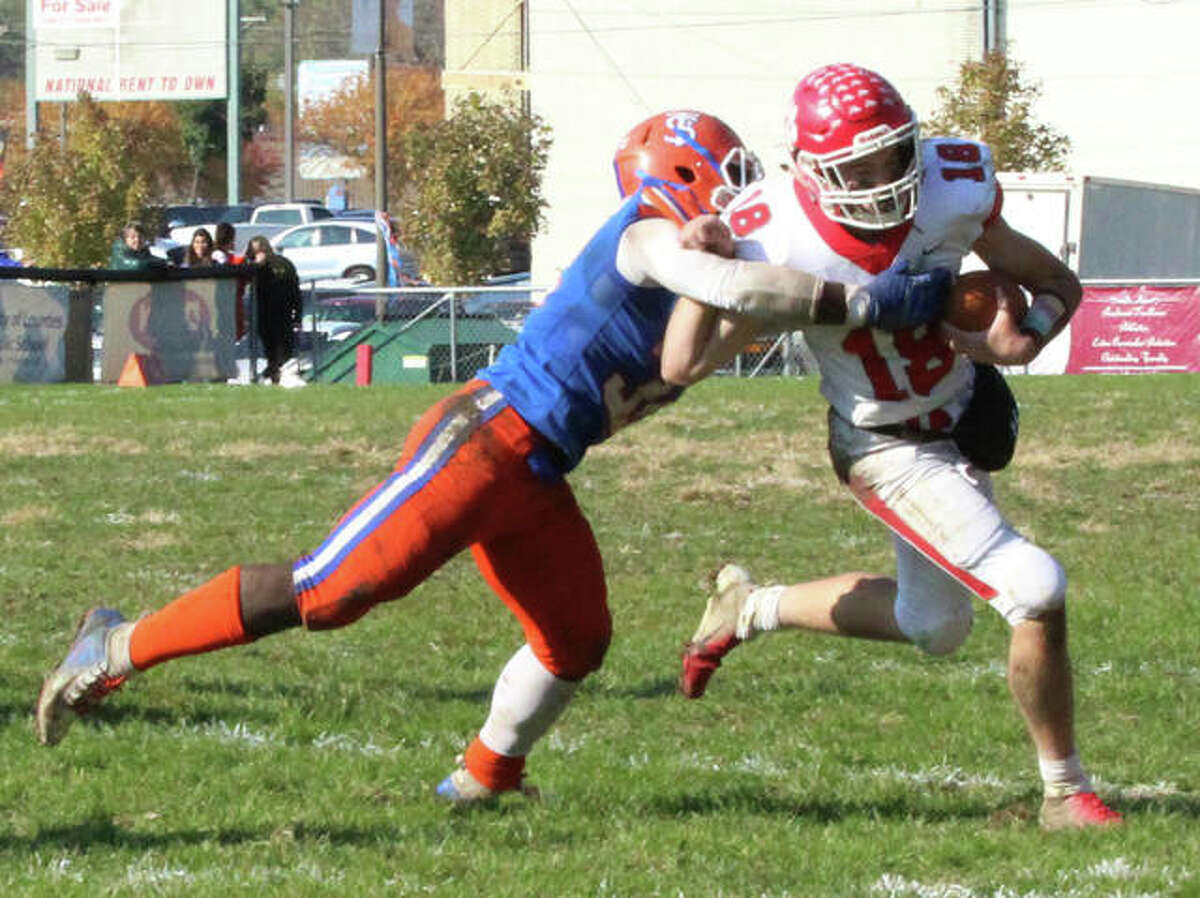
(650, 251)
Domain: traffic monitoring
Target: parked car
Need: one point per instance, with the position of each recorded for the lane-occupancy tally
(288, 213)
(270, 220)
(333, 248)
(182, 221)
(511, 303)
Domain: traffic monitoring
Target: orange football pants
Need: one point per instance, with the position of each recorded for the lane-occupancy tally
(464, 480)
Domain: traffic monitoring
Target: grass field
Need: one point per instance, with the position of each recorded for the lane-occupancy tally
(303, 765)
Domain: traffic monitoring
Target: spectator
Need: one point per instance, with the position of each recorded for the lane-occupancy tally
(277, 304)
(224, 254)
(132, 251)
(200, 250)
(335, 197)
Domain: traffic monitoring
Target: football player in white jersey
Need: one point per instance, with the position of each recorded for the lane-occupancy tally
(864, 194)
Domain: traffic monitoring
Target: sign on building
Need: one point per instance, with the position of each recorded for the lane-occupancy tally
(129, 49)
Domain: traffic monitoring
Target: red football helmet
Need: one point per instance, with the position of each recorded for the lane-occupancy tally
(854, 143)
(686, 163)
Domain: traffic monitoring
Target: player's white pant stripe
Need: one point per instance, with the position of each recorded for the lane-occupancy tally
(445, 442)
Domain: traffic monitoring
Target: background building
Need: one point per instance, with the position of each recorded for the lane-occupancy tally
(1117, 76)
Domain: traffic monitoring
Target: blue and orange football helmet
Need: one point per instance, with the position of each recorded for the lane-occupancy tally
(685, 163)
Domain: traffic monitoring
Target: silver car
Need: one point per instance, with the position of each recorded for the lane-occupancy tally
(327, 249)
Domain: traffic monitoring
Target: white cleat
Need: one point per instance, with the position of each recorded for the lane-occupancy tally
(86, 675)
(726, 624)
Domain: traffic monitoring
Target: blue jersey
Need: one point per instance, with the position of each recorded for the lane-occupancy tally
(587, 362)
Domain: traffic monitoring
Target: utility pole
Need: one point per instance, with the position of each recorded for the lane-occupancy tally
(31, 106)
(994, 39)
(289, 98)
(381, 256)
(233, 105)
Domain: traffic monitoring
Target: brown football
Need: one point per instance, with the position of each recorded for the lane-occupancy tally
(976, 295)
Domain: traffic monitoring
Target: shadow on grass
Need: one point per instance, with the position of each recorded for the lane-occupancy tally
(653, 688)
(441, 693)
(124, 714)
(1167, 805)
(104, 832)
(752, 800)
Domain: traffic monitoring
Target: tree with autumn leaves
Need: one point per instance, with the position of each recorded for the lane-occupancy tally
(466, 188)
(66, 204)
(345, 120)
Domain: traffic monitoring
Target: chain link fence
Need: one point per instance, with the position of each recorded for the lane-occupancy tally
(461, 329)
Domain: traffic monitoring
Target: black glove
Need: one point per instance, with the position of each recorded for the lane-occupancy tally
(900, 299)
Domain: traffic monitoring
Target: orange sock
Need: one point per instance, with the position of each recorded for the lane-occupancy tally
(498, 772)
(203, 620)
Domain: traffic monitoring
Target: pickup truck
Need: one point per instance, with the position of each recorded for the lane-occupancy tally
(271, 219)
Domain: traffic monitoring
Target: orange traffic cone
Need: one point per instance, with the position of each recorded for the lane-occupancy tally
(140, 371)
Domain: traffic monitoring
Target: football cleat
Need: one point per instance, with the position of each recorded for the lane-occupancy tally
(1076, 812)
(462, 789)
(721, 630)
(85, 676)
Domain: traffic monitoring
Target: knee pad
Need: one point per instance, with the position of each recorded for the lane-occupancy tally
(1029, 582)
(935, 630)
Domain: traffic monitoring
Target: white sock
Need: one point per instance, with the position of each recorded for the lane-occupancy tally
(761, 611)
(116, 650)
(1065, 776)
(525, 703)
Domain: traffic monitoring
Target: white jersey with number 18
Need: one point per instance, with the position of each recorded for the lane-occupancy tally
(873, 377)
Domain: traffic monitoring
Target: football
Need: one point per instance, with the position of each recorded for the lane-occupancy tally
(976, 295)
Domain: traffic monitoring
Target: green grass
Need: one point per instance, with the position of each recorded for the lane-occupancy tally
(303, 764)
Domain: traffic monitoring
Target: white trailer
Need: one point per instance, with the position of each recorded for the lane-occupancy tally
(1105, 228)
(1109, 232)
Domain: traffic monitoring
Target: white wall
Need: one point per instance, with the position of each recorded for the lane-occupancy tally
(600, 66)
(1118, 76)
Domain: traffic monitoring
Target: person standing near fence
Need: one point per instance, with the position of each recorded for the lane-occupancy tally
(224, 253)
(131, 252)
(277, 304)
(200, 250)
(485, 468)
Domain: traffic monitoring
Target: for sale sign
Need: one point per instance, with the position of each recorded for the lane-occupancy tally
(130, 49)
(50, 14)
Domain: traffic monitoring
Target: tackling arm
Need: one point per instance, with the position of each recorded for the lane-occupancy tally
(651, 253)
(700, 339)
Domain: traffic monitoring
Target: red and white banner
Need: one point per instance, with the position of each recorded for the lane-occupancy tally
(1129, 330)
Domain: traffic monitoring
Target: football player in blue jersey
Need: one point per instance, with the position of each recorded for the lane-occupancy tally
(485, 468)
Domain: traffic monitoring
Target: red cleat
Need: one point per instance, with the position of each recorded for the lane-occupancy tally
(1077, 811)
(721, 630)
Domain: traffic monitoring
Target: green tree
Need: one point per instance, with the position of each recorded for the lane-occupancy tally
(993, 103)
(12, 38)
(203, 130)
(476, 189)
(66, 205)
